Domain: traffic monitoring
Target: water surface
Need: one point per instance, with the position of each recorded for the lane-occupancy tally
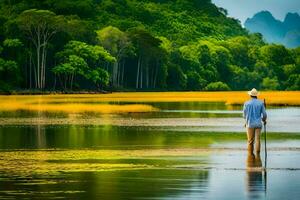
(180, 150)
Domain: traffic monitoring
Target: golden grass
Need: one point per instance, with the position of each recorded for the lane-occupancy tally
(96, 102)
(288, 98)
(230, 98)
(65, 104)
(76, 108)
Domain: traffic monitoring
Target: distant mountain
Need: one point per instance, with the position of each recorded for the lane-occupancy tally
(285, 32)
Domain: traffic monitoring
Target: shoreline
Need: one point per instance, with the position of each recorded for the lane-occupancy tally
(49, 92)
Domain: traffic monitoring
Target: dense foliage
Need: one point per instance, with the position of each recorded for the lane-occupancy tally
(136, 45)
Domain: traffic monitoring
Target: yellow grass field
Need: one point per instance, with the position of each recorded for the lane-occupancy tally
(75, 103)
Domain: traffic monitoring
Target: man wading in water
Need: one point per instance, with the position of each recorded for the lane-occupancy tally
(254, 113)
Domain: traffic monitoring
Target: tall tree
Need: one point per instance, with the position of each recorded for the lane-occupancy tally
(149, 52)
(67, 71)
(40, 26)
(119, 45)
(80, 58)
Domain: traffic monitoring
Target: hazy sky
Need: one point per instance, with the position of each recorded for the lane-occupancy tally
(243, 9)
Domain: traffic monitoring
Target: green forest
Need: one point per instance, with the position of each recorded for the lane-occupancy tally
(136, 45)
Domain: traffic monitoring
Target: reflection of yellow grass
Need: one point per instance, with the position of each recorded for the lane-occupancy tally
(51, 161)
(96, 102)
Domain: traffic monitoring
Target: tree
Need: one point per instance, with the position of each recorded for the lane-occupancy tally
(221, 60)
(293, 82)
(12, 43)
(239, 48)
(13, 50)
(119, 45)
(40, 26)
(99, 77)
(194, 81)
(176, 79)
(92, 54)
(150, 56)
(72, 7)
(9, 74)
(68, 70)
(217, 86)
(270, 84)
(276, 56)
(85, 60)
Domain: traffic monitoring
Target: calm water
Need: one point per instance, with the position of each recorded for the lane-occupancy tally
(184, 151)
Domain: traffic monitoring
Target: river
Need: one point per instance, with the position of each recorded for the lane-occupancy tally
(177, 150)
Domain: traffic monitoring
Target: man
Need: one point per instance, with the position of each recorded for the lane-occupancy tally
(254, 113)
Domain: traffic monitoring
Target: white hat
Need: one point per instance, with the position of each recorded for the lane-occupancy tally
(253, 92)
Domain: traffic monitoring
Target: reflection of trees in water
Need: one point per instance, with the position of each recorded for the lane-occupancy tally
(115, 185)
(40, 133)
(76, 136)
(149, 184)
(40, 136)
(186, 109)
(145, 183)
(255, 179)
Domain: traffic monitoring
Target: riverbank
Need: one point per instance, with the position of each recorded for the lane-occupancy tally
(51, 92)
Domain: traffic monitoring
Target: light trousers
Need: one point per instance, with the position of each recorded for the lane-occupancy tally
(253, 135)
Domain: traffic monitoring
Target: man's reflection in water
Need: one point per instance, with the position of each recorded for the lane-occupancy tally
(255, 180)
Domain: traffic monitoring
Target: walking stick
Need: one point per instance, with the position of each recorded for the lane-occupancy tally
(265, 130)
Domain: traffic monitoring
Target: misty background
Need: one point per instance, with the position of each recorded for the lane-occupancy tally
(243, 9)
